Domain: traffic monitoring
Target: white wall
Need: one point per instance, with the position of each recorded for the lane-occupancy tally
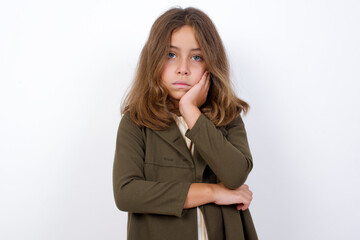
(65, 65)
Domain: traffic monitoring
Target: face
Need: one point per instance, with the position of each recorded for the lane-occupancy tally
(184, 65)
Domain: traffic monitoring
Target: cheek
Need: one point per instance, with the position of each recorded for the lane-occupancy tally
(199, 72)
(166, 72)
(163, 75)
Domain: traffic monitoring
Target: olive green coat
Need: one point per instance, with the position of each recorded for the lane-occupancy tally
(153, 171)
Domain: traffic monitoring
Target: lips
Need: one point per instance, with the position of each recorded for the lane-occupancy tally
(181, 84)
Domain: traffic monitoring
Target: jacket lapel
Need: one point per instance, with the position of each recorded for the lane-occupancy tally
(173, 136)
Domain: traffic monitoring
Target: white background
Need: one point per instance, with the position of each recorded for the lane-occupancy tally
(65, 66)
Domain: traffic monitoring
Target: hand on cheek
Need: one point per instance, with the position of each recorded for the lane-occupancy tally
(197, 95)
(191, 101)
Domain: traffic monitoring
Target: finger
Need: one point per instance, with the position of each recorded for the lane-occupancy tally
(248, 195)
(245, 207)
(207, 83)
(245, 197)
(203, 77)
(239, 206)
(242, 207)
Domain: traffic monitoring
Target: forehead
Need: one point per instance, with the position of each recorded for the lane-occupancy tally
(184, 37)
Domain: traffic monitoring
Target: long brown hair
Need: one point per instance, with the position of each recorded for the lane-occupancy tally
(148, 101)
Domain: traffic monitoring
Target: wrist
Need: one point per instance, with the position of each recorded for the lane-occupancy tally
(213, 189)
(190, 114)
(183, 106)
(199, 194)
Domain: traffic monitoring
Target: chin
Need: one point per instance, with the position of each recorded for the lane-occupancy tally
(177, 96)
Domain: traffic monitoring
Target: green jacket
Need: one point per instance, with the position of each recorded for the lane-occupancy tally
(153, 171)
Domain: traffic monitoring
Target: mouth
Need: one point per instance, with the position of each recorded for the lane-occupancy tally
(181, 84)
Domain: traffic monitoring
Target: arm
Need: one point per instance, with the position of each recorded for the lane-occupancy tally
(228, 157)
(204, 193)
(131, 191)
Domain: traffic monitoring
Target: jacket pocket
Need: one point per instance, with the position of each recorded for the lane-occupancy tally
(169, 167)
(170, 161)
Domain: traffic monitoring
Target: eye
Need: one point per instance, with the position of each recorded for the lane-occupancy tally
(197, 58)
(171, 55)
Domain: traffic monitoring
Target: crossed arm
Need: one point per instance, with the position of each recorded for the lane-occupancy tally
(203, 193)
(228, 157)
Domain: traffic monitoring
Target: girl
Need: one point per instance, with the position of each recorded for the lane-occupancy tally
(182, 155)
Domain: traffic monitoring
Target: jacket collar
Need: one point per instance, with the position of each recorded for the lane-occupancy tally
(172, 135)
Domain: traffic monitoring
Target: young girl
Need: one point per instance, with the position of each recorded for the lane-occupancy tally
(182, 155)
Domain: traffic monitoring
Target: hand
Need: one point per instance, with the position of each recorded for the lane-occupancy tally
(191, 101)
(197, 94)
(241, 196)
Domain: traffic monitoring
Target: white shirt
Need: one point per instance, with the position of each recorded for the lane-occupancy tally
(202, 232)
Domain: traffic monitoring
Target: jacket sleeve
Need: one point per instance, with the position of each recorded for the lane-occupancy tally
(228, 156)
(131, 191)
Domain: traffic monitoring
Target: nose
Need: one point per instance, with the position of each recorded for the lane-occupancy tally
(183, 67)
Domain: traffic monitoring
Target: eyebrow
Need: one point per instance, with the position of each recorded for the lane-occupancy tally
(193, 49)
